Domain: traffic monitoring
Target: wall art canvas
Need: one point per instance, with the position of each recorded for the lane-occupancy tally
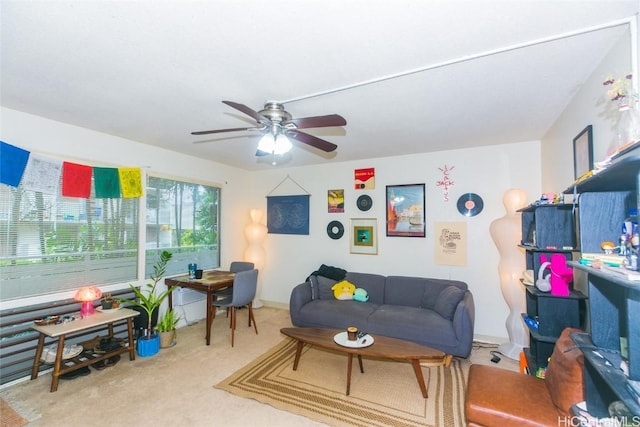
(365, 179)
(335, 201)
(288, 214)
(450, 243)
(405, 210)
(364, 236)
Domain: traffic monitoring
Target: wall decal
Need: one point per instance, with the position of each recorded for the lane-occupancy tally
(445, 182)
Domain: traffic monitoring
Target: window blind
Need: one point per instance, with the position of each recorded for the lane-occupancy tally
(50, 243)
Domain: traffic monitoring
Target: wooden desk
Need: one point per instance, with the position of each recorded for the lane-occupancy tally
(211, 281)
(86, 358)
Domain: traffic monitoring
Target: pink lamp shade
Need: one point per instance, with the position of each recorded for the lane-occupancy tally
(87, 295)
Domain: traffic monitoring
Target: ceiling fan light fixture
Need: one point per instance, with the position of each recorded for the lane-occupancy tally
(282, 144)
(267, 143)
(279, 144)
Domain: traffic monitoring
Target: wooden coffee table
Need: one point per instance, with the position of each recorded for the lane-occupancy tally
(383, 347)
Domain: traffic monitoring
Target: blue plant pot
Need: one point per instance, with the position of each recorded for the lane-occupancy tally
(148, 346)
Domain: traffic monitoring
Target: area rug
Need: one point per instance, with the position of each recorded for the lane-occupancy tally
(9, 417)
(386, 394)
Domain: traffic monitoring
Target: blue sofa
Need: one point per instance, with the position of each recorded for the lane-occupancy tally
(436, 313)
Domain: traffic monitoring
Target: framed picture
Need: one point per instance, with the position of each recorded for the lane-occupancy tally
(364, 236)
(583, 152)
(405, 210)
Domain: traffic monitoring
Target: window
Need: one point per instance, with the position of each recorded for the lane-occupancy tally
(183, 218)
(50, 243)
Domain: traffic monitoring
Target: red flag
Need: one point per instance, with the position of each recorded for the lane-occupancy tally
(76, 180)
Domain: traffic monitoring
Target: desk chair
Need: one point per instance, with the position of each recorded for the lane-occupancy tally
(243, 292)
(235, 267)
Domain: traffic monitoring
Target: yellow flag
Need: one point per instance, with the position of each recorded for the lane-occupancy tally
(130, 182)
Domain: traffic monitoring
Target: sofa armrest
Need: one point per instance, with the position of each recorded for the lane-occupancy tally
(300, 295)
(463, 323)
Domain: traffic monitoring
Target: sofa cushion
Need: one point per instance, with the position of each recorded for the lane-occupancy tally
(447, 301)
(564, 377)
(336, 314)
(414, 324)
(324, 288)
(404, 290)
(372, 283)
(433, 287)
(313, 285)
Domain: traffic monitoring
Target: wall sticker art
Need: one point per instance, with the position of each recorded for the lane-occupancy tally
(446, 183)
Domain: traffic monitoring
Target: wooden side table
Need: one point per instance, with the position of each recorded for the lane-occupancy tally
(86, 358)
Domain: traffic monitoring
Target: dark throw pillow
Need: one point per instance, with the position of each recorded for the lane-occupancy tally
(448, 301)
(334, 273)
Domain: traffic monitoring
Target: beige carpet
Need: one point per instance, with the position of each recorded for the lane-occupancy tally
(387, 394)
(9, 417)
(174, 388)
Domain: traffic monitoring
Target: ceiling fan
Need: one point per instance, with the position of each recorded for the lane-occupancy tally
(277, 124)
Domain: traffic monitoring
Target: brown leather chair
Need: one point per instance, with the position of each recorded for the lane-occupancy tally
(498, 397)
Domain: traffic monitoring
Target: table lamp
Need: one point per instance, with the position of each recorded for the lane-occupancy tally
(87, 295)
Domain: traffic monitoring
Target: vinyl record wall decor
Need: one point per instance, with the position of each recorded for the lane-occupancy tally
(364, 203)
(470, 204)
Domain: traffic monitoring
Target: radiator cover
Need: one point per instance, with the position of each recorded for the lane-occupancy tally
(182, 296)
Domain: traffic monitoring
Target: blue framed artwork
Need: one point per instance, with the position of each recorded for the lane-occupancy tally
(288, 214)
(405, 210)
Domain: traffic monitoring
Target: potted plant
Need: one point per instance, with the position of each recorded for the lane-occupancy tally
(108, 302)
(167, 328)
(149, 300)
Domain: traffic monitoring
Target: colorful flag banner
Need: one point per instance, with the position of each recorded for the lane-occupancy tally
(107, 183)
(13, 161)
(130, 182)
(42, 174)
(76, 180)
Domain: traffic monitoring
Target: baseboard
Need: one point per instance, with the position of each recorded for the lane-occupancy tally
(489, 339)
(274, 304)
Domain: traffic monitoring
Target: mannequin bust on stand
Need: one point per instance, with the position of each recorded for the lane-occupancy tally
(505, 233)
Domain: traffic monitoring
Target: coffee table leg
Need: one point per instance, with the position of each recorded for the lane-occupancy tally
(349, 364)
(298, 352)
(360, 362)
(419, 377)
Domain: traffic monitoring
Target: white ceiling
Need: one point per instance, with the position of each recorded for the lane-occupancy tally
(153, 71)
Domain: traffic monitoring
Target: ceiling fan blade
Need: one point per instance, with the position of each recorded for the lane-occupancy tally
(205, 132)
(248, 111)
(311, 140)
(318, 121)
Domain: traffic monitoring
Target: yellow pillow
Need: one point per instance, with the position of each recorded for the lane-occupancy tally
(343, 290)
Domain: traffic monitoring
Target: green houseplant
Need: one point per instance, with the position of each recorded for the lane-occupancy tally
(167, 328)
(149, 299)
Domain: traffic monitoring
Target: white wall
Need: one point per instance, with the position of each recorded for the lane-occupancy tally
(589, 106)
(72, 143)
(487, 171)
